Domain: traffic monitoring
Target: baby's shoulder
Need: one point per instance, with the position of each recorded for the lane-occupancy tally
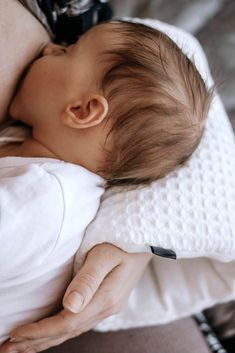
(47, 177)
(27, 173)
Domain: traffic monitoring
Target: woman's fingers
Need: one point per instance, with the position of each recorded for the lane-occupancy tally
(42, 345)
(38, 345)
(33, 345)
(62, 323)
(26, 345)
(99, 262)
(51, 332)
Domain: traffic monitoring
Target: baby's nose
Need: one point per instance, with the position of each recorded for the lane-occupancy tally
(52, 49)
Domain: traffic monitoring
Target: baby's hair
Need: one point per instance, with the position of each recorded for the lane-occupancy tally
(158, 104)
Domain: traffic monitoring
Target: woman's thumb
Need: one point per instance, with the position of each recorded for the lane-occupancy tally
(73, 302)
(87, 281)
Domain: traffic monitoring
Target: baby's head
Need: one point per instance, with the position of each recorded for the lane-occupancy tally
(158, 104)
(135, 103)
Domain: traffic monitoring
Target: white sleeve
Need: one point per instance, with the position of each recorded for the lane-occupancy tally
(31, 215)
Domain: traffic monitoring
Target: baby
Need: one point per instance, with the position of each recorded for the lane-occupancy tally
(123, 104)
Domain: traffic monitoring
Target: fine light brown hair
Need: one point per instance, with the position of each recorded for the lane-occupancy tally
(158, 104)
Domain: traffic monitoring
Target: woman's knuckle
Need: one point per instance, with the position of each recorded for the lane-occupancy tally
(119, 307)
(111, 306)
(108, 312)
(116, 308)
(96, 251)
(89, 283)
(47, 345)
(106, 251)
(111, 301)
(68, 325)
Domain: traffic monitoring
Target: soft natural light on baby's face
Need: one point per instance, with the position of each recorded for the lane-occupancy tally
(61, 75)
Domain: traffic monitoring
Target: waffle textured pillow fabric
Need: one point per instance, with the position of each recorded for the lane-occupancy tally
(192, 210)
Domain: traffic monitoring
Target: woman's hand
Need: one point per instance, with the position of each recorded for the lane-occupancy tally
(100, 289)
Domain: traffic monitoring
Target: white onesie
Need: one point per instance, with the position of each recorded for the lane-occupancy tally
(45, 207)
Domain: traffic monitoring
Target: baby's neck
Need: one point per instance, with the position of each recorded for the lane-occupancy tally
(29, 148)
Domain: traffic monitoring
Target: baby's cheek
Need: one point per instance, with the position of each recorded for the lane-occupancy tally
(13, 108)
(26, 100)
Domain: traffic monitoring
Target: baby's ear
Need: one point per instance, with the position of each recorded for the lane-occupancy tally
(86, 113)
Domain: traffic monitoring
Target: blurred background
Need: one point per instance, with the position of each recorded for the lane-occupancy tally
(211, 21)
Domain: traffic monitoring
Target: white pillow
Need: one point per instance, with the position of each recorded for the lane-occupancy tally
(192, 210)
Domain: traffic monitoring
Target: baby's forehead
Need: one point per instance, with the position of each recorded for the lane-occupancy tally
(99, 42)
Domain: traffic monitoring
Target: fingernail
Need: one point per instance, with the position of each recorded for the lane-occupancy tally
(74, 302)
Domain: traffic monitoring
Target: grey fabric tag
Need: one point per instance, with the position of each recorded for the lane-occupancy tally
(163, 252)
